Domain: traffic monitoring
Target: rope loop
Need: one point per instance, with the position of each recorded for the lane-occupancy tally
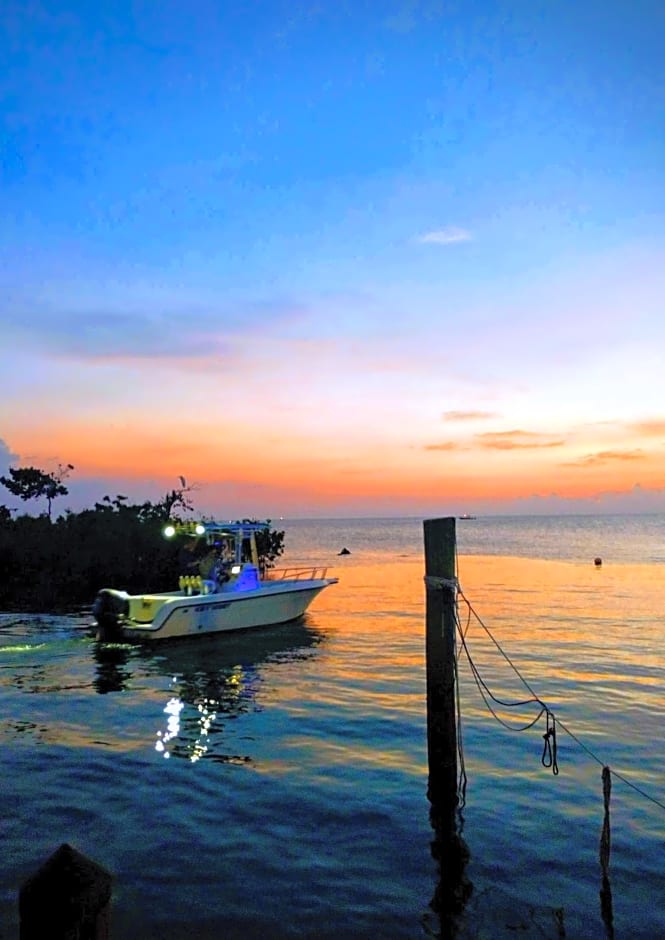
(549, 748)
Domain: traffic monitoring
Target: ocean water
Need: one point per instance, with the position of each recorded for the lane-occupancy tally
(274, 784)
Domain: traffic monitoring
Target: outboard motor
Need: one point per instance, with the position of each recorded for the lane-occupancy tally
(110, 609)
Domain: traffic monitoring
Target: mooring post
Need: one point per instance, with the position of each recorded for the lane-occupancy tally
(448, 847)
(68, 898)
(441, 589)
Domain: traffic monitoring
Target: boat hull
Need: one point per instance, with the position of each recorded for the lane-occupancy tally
(167, 616)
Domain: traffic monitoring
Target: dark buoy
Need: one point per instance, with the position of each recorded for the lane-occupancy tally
(598, 562)
(344, 551)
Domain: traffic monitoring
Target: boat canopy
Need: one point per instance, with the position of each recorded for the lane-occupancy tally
(217, 533)
(234, 528)
(215, 529)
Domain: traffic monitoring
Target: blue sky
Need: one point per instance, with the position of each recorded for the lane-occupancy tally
(332, 226)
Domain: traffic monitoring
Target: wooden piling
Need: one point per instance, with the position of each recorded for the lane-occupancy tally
(440, 628)
(448, 847)
(68, 898)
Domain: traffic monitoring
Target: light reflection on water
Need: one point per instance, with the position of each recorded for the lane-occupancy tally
(298, 760)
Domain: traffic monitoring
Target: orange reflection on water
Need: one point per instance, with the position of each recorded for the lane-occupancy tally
(616, 609)
(587, 639)
(350, 683)
(576, 632)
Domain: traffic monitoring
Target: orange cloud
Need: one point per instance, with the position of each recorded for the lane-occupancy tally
(516, 440)
(446, 445)
(648, 428)
(606, 456)
(267, 468)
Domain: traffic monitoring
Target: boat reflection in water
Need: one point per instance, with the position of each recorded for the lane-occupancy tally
(113, 672)
(210, 681)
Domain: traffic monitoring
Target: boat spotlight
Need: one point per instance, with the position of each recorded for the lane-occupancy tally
(169, 531)
(200, 529)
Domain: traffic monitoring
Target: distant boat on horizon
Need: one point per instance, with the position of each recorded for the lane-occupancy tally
(465, 516)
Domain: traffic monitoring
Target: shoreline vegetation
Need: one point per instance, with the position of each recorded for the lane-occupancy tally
(58, 565)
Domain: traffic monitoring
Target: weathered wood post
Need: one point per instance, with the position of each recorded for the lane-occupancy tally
(441, 624)
(440, 582)
(68, 898)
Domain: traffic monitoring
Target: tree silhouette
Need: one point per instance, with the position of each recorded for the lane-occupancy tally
(32, 483)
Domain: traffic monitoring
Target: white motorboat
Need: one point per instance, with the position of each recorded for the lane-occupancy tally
(230, 592)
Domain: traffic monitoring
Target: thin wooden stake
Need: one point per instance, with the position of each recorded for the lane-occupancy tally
(606, 889)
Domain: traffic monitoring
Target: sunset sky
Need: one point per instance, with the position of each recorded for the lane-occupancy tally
(336, 258)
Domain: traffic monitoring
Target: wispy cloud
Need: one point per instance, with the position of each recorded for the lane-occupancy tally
(496, 440)
(123, 328)
(606, 456)
(654, 428)
(446, 445)
(516, 440)
(468, 415)
(445, 236)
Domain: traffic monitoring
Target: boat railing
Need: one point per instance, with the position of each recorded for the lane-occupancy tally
(295, 574)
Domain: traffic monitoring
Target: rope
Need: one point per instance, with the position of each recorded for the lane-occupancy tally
(549, 749)
(487, 694)
(549, 758)
(549, 754)
(462, 780)
(452, 584)
(614, 773)
(441, 584)
(505, 655)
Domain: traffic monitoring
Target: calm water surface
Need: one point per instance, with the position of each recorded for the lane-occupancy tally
(274, 783)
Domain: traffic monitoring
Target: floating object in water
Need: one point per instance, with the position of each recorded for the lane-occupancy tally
(598, 562)
(344, 551)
